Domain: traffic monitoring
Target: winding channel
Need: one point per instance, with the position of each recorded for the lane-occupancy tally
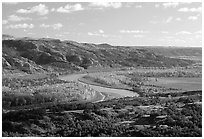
(100, 89)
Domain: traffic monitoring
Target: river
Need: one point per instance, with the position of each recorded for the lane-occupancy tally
(117, 92)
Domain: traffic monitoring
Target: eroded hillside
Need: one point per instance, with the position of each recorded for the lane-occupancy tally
(39, 55)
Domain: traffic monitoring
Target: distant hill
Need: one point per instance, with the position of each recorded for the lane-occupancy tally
(38, 55)
(7, 37)
(176, 51)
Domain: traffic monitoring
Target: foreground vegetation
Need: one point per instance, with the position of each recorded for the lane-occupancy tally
(27, 91)
(138, 116)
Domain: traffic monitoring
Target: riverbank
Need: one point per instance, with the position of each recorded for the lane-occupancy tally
(83, 80)
(104, 92)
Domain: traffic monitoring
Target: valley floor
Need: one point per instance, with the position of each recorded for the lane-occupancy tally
(131, 102)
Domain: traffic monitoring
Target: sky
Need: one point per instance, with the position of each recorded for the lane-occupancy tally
(116, 23)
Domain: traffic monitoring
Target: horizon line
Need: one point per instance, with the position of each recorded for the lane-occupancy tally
(102, 42)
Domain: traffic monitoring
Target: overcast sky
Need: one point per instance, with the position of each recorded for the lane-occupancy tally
(149, 23)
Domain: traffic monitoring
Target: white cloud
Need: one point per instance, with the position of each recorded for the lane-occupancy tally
(57, 26)
(30, 33)
(70, 8)
(90, 34)
(166, 21)
(154, 22)
(101, 31)
(138, 6)
(106, 4)
(18, 18)
(156, 5)
(198, 36)
(97, 34)
(183, 33)
(40, 9)
(20, 26)
(164, 32)
(199, 9)
(178, 19)
(133, 31)
(129, 4)
(169, 19)
(193, 18)
(59, 35)
(44, 26)
(138, 36)
(186, 2)
(183, 10)
(4, 22)
(53, 9)
(198, 32)
(54, 26)
(170, 4)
